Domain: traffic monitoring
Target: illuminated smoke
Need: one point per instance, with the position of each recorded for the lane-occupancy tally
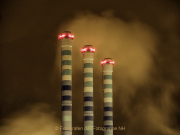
(131, 45)
(34, 120)
(145, 108)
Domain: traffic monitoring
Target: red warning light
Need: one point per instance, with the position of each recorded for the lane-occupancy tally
(92, 49)
(64, 34)
(111, 62)
(84, 49)
(59, 36)
(71, 36)
(101, 62)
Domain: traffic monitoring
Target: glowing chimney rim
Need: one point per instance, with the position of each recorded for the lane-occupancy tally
(85, 49)
(64, 35)
(105, 61)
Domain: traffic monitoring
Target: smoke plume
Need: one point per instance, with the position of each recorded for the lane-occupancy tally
(32, 120)
(142, 99)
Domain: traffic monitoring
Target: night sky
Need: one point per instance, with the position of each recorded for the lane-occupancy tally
(142, 37)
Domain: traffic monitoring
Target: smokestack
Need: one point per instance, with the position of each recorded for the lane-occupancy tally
(107, 65)
(66, 73)
(88, 57)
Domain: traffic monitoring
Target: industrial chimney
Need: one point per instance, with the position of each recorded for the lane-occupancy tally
(66, 84)
(107, 65)
(88, 57)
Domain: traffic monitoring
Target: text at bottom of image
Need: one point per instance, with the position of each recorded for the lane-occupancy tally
(90, 128)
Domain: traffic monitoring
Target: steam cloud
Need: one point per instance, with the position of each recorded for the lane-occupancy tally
(33, 120)
(133, 46)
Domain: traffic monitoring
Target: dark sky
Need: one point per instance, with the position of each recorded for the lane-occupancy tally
(143, 37)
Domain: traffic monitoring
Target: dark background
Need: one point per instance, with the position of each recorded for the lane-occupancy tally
(145, 101)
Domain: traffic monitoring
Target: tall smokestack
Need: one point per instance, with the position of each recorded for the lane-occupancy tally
(88, 57)
(107, 65)
(66, 90)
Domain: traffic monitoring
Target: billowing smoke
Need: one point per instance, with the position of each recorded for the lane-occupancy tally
(131, 45)
(33, 120)
(142, 100)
